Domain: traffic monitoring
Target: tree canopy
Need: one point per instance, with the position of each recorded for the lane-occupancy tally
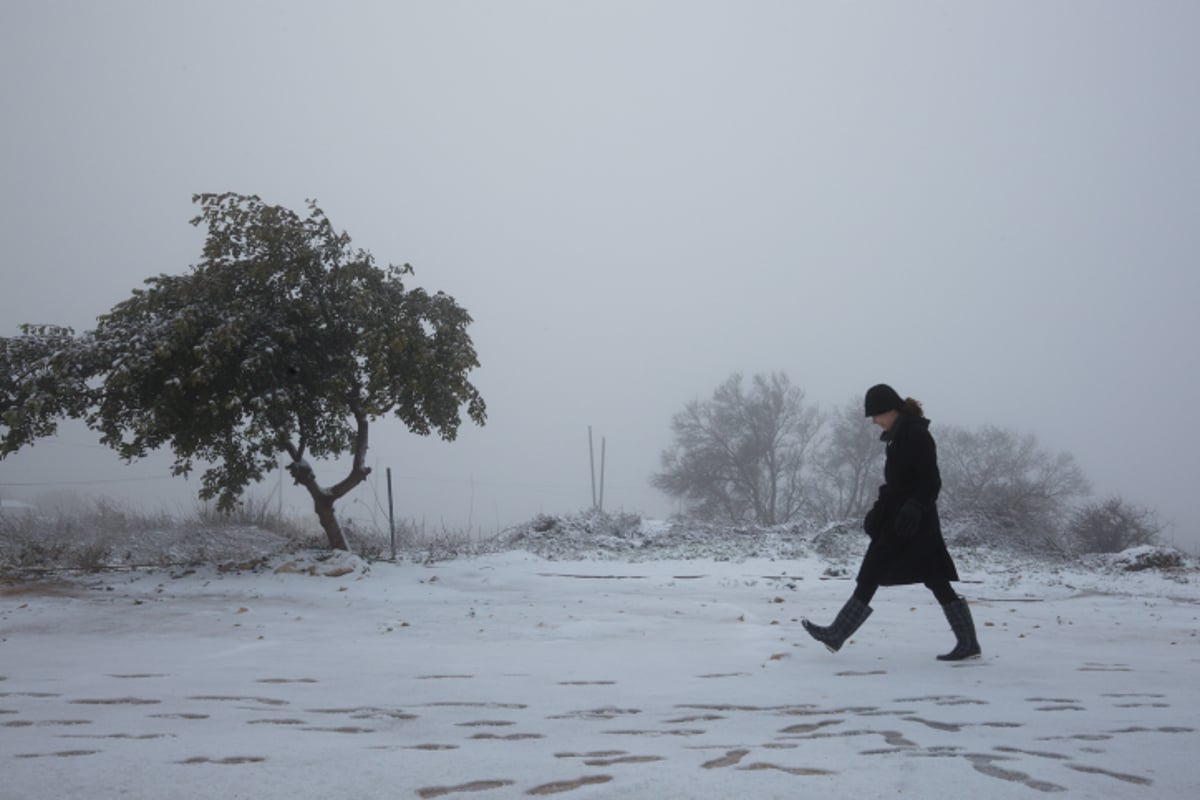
(42, 380)
(1008, 481)
(283, 339)
(849, 463)
(741, 456)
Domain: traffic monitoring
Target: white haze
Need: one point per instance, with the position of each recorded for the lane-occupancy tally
(990, 205)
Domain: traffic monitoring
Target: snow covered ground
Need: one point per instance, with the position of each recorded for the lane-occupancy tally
(600, 672)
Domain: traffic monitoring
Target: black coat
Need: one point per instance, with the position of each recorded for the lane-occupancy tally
(911, 477)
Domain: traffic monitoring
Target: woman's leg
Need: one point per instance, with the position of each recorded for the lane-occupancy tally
(943, 591)
(958, 614)
(848, 620)
(866, 591)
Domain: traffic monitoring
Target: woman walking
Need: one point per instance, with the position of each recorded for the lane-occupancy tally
(906, 534)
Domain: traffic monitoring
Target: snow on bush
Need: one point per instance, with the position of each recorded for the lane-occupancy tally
(597, 535)
(1146, 556)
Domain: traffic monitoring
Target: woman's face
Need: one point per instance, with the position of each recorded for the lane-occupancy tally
(886, 419)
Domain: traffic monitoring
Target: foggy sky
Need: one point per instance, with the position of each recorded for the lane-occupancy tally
(991, 205)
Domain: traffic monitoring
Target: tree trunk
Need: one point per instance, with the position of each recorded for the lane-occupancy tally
(324, 499)
(333, 530)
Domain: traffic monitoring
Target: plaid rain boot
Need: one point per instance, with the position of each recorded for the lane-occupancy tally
(848, 620)
(958, 614)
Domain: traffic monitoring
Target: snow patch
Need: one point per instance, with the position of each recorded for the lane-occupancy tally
(335, 564)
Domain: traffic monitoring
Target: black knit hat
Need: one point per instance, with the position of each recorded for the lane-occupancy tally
(881, 399)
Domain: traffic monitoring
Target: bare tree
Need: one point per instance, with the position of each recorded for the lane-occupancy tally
(1007, 480)
(850, 464)
(1111, 526)
(742, 456)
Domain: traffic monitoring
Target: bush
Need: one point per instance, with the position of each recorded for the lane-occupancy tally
(1112, 526)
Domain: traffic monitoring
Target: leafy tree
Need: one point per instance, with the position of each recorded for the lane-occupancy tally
(1111, 526)
(42, 380)
(850, 464)
(283, 339)
(1007, 481)
(742, 456)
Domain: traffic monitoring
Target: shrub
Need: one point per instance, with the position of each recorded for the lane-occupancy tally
(1112, 526)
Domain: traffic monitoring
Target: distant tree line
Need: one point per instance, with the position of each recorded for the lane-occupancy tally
(760, 454)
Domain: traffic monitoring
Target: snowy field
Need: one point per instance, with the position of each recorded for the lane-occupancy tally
(510, 674)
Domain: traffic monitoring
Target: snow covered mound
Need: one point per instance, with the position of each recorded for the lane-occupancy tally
(838, 547)
(327, 564)
(600, 536)
(1136, 559)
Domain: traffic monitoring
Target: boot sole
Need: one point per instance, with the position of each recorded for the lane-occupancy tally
(805, 624)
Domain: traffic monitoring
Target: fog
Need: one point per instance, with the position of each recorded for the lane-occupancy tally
(991, 205)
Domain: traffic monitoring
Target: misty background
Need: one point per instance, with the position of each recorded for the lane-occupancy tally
(992, 206)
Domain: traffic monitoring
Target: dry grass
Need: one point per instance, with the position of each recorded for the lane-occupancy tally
(101, 533)
(95, 534)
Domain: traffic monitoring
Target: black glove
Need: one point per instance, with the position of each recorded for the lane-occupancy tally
(908, 520)
(871, 522)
